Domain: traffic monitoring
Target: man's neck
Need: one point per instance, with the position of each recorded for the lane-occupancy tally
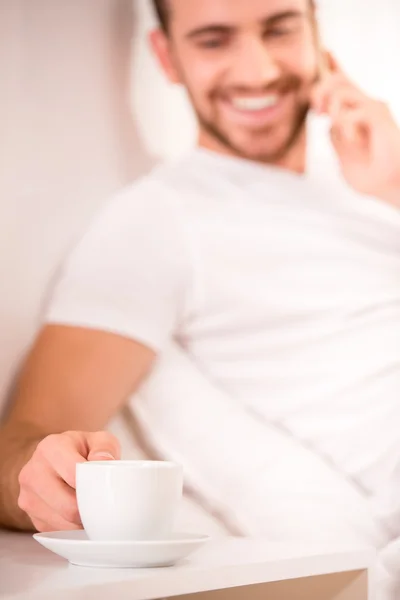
(294, 160)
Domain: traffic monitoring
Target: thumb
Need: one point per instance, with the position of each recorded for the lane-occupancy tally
(103, 446)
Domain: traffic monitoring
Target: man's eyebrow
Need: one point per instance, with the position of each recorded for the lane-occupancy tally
(223, 28)
(210, 29)
(283, 16)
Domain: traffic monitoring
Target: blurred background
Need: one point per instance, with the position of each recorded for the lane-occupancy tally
(84, 110)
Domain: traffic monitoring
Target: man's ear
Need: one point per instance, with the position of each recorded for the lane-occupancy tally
(161, 46)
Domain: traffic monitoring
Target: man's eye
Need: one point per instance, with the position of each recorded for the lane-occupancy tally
(210, 44)
(283, 31)
(278, 32)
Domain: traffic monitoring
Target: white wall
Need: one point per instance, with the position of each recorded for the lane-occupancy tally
(67, 138)
(67, 141)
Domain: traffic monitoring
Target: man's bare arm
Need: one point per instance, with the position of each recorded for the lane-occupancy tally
(75, 379)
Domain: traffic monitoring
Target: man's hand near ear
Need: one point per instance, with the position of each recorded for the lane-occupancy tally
(364, 133)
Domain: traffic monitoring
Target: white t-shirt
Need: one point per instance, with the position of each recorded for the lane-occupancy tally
(285, 289)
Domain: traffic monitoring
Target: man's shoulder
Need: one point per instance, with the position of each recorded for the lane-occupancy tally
(164, 185)
(153, 200)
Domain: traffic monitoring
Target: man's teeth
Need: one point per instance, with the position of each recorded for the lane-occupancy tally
(255, 103)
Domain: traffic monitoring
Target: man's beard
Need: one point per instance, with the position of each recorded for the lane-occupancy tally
(271, 157)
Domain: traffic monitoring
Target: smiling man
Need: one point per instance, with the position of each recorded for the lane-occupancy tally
(249, 73)
(283, 287)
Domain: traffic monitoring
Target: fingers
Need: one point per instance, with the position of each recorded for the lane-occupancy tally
(43, 527)
(40, 481)
(47, 498)
(63, 452)
(48, 481)
(350, 110)
(351, 126)
(343, 98)
(335, 90)
(43, 516)
(103, 446)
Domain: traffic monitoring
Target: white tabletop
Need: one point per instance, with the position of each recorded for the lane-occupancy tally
(28, 571)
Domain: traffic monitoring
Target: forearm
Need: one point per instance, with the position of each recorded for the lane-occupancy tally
(17, 444)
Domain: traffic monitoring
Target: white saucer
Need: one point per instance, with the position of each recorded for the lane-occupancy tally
(79, 550)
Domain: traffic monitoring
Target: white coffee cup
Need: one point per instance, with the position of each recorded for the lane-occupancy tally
(128, 500)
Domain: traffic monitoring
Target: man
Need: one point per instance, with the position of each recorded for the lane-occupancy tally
(286, 292)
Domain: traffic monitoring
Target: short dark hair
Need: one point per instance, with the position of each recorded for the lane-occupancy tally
(161, 8)
(162, 11)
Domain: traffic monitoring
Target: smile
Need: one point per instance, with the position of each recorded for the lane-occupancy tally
(255, 103)
(256, 111)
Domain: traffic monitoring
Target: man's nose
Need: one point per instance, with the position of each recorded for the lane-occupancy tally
(253, 65)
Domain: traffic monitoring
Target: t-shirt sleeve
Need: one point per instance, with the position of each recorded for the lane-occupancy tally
(128, 274)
